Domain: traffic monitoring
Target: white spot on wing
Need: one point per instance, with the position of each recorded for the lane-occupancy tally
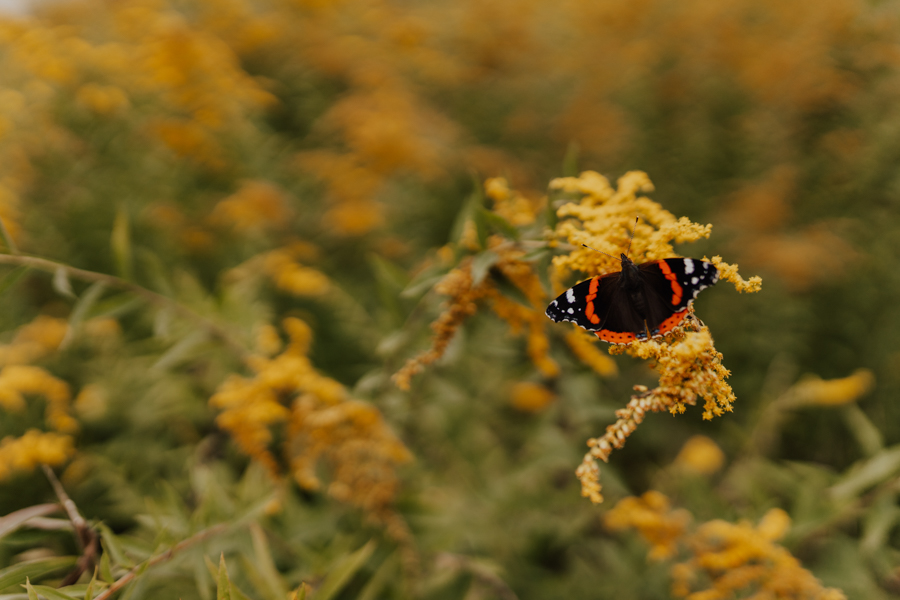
(688, 266)
(694, 280)
(570, 296)
(571, 311)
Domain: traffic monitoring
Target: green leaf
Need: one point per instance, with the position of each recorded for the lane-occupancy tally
(89, 591)
(120, 243)
(15, 519)
(346, 568)
(511, 290)
(276, 590)
(500, 225)
(52, 593)
(32, 595)
(223, 584)
(424, 281)
(481, 264)
(36, 569)
(11, 279)
(180, 351)
(112, 546)
(867, 473)
(105, 570)
(61, 283)
(80, 310)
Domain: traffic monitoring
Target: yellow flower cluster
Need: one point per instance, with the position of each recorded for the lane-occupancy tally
(729, 558)
(32, 449)
(583, 346)
(281, 266)
(813, 390)
(34, 341)
(509, 204)
(690, 368)
(17, 380)
(725, 558)
(530, 397)
(653, 517)
(700, 455)
(323, 425)
(255, 207)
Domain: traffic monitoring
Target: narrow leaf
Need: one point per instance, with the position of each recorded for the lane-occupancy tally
(500, 225)
(344, 571)
(61, 283)
(14, 520)
(481, 264)
(114, 548)
(277, 590)
(105, 569)
(38, 569)
(32, 595)
(80, 310)
(52, 593)
(868, 473)
(223, 584)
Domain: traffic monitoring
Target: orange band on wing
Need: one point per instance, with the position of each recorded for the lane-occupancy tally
(616, 338)
(677, 292)
(592, 293)
(672, 322)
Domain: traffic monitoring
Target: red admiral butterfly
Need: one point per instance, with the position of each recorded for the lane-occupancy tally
(640, 300)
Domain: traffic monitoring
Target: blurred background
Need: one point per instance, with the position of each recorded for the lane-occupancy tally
(245, 162)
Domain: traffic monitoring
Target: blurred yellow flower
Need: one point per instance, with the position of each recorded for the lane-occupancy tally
(509, 204)
(700, 455)
(584, 346)
(813, 390)
(32, 449)
(102, 99)
(654, 519)
(530, 397)
(324, 426)
(255, 207)
(729, 558)
(34, 341)
(725, 558)
(17, 380)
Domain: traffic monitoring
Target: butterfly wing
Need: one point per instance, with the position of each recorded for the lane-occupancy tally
(587, 303)
(670, 285)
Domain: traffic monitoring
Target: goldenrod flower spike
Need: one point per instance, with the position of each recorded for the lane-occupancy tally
(724, 558)
(689, 365)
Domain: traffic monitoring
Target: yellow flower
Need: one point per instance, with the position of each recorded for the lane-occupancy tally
(34, 341)
(652, 516)
(256, 206)
(583, 346)
(831, 392)
(700, 455)
(324, 426)
(509, 204)
(102, 99)
(17, 380)
(34, 448)
(530, 397)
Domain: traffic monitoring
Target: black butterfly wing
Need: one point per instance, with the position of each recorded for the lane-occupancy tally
(586, 304)
(670, 286)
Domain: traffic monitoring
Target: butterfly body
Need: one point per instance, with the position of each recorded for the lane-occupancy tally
(639, 302)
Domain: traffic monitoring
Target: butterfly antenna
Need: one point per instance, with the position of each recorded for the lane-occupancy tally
(600, 251)
(628, 250)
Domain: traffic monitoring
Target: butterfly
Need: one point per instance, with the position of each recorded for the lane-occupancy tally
(637, 303)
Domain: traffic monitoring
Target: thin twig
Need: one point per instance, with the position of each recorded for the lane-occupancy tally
(51, 266)
(87, 537)
(162, 557)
